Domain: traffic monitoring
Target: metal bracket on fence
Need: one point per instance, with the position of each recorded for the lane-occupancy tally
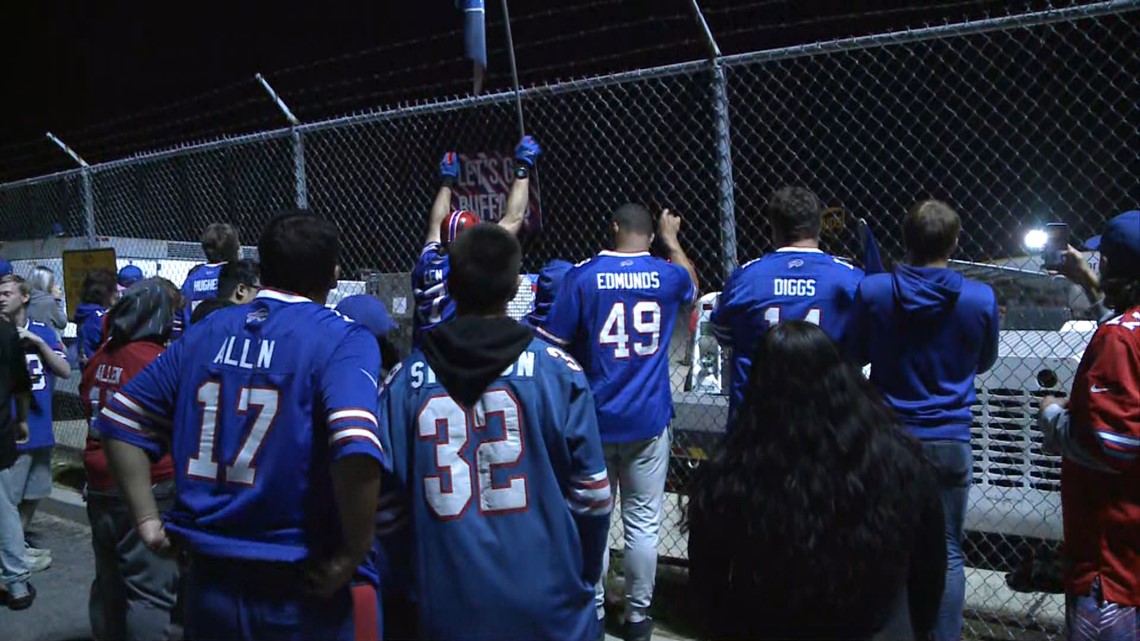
(85, 185)
(725, 193)
(301, 192)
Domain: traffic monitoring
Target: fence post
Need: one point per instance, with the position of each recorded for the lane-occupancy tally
(726, 198)
(85, 185)
(300, 187)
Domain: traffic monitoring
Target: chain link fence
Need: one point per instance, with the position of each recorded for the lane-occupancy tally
(1016, 121)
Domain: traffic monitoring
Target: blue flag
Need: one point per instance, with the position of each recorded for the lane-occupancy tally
(475, 37)
(872, 261)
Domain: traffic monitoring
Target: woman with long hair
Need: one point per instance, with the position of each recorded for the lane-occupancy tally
(819, 518)
(46, 302)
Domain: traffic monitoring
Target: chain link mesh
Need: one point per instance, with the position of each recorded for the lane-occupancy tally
(1015, 122)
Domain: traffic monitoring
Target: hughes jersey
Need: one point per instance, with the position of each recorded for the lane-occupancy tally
(616, 312)
(788, 284)
(39, 414)
(201, 284)
(256, 404)
(509, 498)
(429, 287)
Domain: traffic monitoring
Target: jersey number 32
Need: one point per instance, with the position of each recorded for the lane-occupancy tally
(449, 490)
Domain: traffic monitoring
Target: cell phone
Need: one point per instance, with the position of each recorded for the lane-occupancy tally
(1057, 241)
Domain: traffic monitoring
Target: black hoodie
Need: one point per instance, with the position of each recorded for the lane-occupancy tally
(470, 352)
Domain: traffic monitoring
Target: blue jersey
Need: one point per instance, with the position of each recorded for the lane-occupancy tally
(616, 312)
(39, 414)
(429, 287)
(201, 284)
(256, 404)
(510, 500)
(788, 284)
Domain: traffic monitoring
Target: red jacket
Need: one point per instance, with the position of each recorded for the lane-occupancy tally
(1101, 508)
(105, 373)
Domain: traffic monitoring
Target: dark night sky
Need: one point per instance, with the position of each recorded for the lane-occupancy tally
(82, 69)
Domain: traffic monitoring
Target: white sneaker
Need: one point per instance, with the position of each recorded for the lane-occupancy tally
(39, 563)
(35, 552)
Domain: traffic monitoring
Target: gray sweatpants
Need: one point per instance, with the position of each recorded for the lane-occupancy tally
(135, 590)
(637, 473)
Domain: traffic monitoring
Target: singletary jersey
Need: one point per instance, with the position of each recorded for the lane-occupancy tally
(509, 499)
(788, 284)
(256, 404)
(39, 414)
(616, 312)
(429, 287)
(200, 284)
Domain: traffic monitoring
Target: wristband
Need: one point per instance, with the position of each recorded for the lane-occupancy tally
(522, 172)
(449, 181)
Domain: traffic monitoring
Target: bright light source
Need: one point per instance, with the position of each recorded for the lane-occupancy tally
(1035, 239)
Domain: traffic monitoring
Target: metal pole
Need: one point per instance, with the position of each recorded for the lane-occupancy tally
(514, 68)
(277, 100)
(725, 182)
(300, 188)
(714, 50)
(85, 187)
(726, 196)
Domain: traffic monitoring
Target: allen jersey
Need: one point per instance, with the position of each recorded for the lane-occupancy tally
(788, 284)
(40, 429)
(1102, 506)
(255, 405)
(429, 288)
(200, 284)
(616, 312)
(509, 499)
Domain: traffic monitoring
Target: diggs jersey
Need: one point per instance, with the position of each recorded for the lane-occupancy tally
(616, 312)
(510, 500)
(429, 287)
(788, 284)
(39, 414)
(256, 404)
(1102, 506)
(201, 284)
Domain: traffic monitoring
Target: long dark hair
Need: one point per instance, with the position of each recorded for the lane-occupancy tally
(809, 506)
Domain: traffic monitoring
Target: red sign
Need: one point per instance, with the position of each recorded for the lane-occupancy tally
(485, 182)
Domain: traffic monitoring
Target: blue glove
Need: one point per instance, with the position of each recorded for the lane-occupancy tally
(449, 168)
(527, 151)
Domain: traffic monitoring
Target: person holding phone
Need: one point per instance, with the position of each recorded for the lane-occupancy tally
(1097, 431)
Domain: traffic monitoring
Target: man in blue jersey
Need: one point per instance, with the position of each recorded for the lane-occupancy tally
(429, 276)
(29, 480)
(796, 282)
(546, 290)
(268, 410)
(221, 245)
(616, 311)
(927, 332)
(494, 439)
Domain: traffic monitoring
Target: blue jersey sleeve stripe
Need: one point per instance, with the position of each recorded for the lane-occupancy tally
(122, 421)
(347, 414)
(137, 408)
(355, 434)
(561, 341)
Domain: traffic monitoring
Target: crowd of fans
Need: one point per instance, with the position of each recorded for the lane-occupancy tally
(262, 466)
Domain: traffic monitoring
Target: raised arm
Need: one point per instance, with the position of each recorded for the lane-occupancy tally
(52, 356)
(526, 155)
(449, 173)
(668, 226)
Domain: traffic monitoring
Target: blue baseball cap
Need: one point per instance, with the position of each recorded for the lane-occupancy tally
(549, 282)
(129, 275)
(5, 267)
(368, 311)
(1119, 244)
